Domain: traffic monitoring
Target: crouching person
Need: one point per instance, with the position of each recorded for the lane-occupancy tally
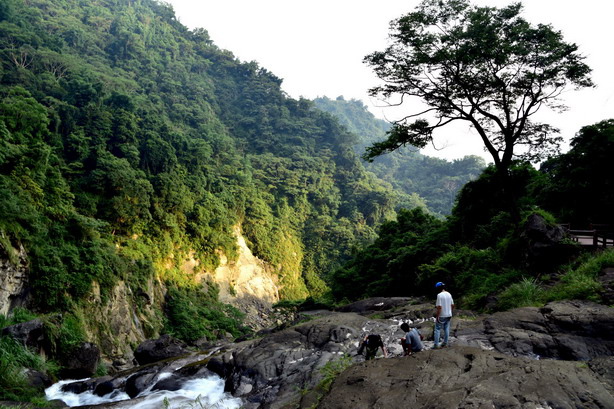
(371, 343)
(412, 341)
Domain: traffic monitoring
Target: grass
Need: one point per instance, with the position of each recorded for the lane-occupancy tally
(526, 293)
(580, 281)
(14, 384)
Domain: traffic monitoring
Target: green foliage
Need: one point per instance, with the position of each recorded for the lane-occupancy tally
(332, 369)
(193, 313)
(580, 281)
(477, 64)
(389, 266)
(13, 382)
(134, 142)
(526, 293)
(15, 358)
(65, 333)
(481, 216)
(577, 186)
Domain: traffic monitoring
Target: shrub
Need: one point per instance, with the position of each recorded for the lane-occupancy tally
(581, 282)
(192, 313)
(14, 357)
(526, 293)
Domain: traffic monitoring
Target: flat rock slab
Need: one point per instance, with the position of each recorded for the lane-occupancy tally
(469, 377)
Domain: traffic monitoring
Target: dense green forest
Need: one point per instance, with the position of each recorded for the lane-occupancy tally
(129, 144)
(434, 182)
(131, 139)
(482, 252)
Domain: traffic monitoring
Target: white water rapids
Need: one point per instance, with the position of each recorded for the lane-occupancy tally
(196, 393)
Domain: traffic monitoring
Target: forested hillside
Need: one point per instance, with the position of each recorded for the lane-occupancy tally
(435, 181)
(129, 144)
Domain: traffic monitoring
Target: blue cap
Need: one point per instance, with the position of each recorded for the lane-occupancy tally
(439, 284)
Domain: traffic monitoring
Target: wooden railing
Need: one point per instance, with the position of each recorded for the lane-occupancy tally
(597, 235)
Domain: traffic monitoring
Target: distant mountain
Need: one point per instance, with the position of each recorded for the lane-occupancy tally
(435, 180)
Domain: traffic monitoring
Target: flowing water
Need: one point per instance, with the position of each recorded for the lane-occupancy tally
(202, 393)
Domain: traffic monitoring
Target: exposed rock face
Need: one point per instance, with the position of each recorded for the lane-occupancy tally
(117, 324)
(154, 350)
(468, 377)
(248, 284)
(13, 279)
(268, 372)
(570, 330)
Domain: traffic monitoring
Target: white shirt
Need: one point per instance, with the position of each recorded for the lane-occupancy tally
(445, 301)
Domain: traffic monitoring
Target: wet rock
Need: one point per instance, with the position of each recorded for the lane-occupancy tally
(172, 383)
(371, 305)
(154, 350)
(140, 381)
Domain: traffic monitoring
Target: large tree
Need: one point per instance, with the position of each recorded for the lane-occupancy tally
(484, 65)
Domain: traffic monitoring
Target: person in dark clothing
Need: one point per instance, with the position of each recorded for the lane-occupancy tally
(371, 343)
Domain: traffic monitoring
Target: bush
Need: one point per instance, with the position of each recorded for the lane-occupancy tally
(581, 282)
(526, 293)
(14, 358)
(192, 314)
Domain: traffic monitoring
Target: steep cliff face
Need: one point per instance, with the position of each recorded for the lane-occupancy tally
(124, 320)
(13, 277)
(247, 283)
(125, 317)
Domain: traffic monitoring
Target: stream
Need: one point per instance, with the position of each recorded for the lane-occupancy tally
(195, 393)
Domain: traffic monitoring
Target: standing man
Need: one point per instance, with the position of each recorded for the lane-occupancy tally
(445, 306)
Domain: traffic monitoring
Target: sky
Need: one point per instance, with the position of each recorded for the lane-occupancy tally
(316, 47)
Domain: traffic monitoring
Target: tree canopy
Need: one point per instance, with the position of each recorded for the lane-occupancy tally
(484, 65)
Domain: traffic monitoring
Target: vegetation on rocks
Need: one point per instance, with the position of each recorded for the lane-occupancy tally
(130, 146)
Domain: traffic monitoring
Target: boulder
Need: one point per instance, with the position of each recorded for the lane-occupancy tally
(468, 377)
(82, 362)
(30, 334)
(140, 381)
(154, 350)
(570, 330)
(543, 246)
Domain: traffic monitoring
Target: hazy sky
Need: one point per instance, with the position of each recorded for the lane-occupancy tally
(317, 48)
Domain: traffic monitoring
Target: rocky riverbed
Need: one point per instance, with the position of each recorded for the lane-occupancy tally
(557, 356)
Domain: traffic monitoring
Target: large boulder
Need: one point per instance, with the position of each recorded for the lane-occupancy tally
(154, 350)
(570, 330)
(269, 372)
(30, 334)
(544, 247)
(82, 361)
(468, 377)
